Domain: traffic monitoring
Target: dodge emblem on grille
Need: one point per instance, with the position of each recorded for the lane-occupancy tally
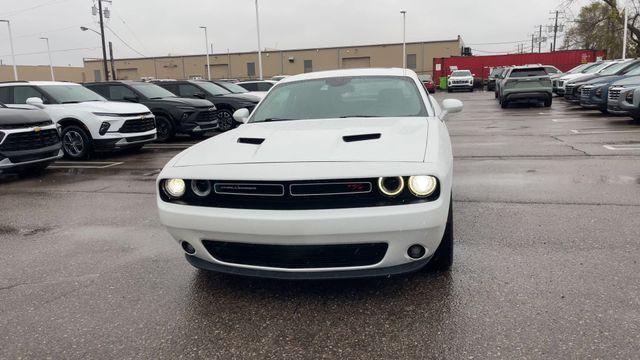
(37, 129)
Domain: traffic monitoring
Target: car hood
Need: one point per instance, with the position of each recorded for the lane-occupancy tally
(20, 116)
(108, 107)
(400, 140)
(184, 101)
(582, 78)
(240, 97)
(259, 94)
(628, 80)
(602, 80)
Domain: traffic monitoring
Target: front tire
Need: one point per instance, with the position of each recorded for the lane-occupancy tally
(443, 257)
(164, 129)
(76, 143)
(504, 103)
(548, 102)
(225, 120)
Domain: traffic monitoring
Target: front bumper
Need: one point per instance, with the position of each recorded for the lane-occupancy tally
(115, 141)
(398, 226)
(200, 121)
(30, 157)
(460, 87)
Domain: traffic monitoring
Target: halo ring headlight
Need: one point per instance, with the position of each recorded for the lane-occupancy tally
(422, 185)
(174, 187)
(201, 188)
(386, 186)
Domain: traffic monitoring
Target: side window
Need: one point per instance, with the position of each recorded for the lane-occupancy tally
(172, 87)
(5, 95)
(264, 86)
(100, 89)
(187, 90)
(250, 86)
(120, 93)
(22, 93)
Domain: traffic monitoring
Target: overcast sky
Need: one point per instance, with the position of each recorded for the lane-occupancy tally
(161, 27)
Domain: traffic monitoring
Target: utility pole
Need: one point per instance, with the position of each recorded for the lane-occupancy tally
(104, 46)
(13, 54)
(540, 41)
(114, 76)
(532, 38)
(53, 78)
(555, 32)
(259, 46)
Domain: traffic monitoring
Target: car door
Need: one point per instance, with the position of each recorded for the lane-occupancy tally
(20, 94)
(121, 93)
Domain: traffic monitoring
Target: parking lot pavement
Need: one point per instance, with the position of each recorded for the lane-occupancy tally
(547, 222)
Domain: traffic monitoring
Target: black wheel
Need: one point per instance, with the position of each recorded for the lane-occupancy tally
(443, 257)
(504, 103)
(225, 120)
(548, 102)
(76, 143)
(495, 94)
(164, 129)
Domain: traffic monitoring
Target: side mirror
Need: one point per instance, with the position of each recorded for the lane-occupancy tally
(131, 99)
(35, 101)
(450, 106)
(200, 95)
(241, 115)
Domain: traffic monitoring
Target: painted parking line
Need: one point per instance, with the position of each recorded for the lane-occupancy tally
(589, 132)
(622, 147)
(84, 164)
(572, 120)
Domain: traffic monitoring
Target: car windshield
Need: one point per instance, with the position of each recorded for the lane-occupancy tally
(613, 69)
(599, 67)
(236, 89)
(71, 93)
(495, 71)
(526, 72)
(213, 89)
(152, 91)
(342, 97)
(578, 68)
(634, 71)
(461, 73)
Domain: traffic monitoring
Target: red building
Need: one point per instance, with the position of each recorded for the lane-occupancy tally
(480, 66)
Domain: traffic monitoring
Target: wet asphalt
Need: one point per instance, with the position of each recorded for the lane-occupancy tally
(547, 231)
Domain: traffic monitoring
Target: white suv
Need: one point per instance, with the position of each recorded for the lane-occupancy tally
(460, 79)
(88, 121)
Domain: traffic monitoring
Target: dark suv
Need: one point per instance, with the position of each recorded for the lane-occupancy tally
(226, 101)
(173, 114)
(29, 140)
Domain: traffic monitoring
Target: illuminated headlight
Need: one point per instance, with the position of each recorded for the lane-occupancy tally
(422, 186)
(391, 186)
(629, 99)
(174, 187)
(201, 187)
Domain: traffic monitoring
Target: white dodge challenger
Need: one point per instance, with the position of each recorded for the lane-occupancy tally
(342, 173)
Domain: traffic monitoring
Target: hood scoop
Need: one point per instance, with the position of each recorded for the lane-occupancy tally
(361, 137)
(252, 141)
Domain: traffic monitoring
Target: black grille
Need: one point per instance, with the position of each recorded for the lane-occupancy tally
(296, 195)
(32, 157)
(297, 256)
(614, 94)
(30, 140)
(25, 126)
(138, 125)
(207, 117)
(139, 138)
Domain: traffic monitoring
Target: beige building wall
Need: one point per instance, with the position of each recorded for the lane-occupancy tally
(42, 72)
(285, 62)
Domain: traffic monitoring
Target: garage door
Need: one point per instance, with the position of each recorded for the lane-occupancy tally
(356, 62)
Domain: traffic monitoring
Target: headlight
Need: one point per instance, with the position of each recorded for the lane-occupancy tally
(391, 186)
(599, 92)
(422, 186)
(629, 99)
(174, 187)
(104, 127)
(201, 187)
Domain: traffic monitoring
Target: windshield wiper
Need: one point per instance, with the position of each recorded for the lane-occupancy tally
(276, 119)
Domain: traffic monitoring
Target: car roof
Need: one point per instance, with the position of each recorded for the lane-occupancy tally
(37, 83)
(350, 72)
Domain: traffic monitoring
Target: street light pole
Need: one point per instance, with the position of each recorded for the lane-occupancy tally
(206, 46)
(53, 78)
(13, 54)
(259, 46)
(404, 39)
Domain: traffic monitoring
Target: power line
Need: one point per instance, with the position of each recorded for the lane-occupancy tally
(500, 43)
(124, 42)
(50, 31)
(129, 29)
(53, 51)
(48, 3)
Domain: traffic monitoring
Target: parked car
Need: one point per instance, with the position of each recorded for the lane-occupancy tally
(427, 82)
(460, 80)
(558, 81)
(526, 83)
(573, 86)
(625, 99)
(237, 89)
(225, 101)
(491, 81)
(88, 121)
(499, 77)
(326, 178)
(594, 93)
(233, 81)
(174, 115)
(279, 77)
(29, 140)
(260, 85)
